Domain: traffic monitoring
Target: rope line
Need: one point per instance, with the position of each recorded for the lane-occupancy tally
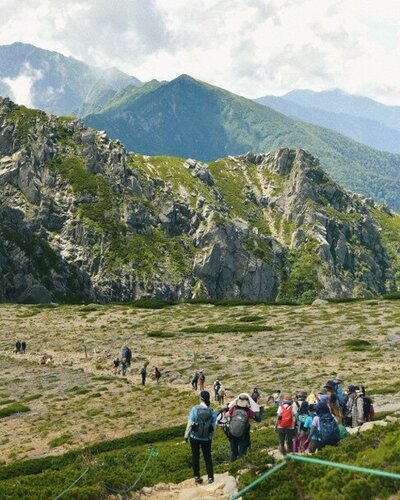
(72, 484)
(153, 453)
(316, 461)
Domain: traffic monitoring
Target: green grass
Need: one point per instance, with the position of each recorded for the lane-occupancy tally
(228, 328)
(12, 409)
(357, 344)
(60, 441)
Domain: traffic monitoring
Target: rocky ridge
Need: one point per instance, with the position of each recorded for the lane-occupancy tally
(81, 219)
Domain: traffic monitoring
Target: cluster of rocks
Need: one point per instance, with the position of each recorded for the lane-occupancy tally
(49, 251)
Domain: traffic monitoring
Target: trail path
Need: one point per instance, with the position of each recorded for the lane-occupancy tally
(224, 487)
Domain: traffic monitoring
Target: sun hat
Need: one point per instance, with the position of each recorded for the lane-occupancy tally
(287, 398)
(243, 401)
(205, 396)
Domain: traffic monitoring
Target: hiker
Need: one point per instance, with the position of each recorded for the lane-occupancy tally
(128, 356)
(368, 406)
(202, 380)
(217, 385)
(303, 425)
(23, 347)
(354, 412)
(324, 429)
(312, 398)
(221, 394)
(46, 359)
(333, 391)
(124, 366)
(199, 432)
(255, 395)
(195, 380)
(222, 420)
(157, 374)
(116, 364)
(143, 373)
(285, 424)
(241, 410)
(17, 347)
(277, 396)
(85, 350)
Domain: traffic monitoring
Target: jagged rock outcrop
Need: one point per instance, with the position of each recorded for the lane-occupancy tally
(81, 219)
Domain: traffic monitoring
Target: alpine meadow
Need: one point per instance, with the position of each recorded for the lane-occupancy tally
(199, 250)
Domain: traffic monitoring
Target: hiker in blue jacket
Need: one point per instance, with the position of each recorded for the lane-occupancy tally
(199, 432)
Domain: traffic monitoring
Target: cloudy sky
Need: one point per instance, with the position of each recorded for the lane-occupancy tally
(251, 47)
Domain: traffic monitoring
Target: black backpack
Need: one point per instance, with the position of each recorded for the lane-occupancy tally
(328, 429)
(367, 408)
(202, 427)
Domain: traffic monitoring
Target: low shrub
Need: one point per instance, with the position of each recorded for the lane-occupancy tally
(357, 344)
(250, 319)
(160, 334)
(228, 328)
(392, 296)
(13, 408)
(152, 303)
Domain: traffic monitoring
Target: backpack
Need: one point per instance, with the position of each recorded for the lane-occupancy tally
(340, 395)
(328, 429)
(301, 421)
(143, 371)
(286, 420)
(202, 428)
(239, 423)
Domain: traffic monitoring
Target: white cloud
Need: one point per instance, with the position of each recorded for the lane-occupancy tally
(252, 47)
(21, 85)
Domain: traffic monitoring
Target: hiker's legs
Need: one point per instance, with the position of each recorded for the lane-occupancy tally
(143, 379)
(244, 444)
(313, 446)
(195, 456)
(206, 449)
(281, 437)
(234, 448)
(289, 439)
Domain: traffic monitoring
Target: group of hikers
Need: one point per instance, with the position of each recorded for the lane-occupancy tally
(20, 347)
(304, 423)
(122, 364)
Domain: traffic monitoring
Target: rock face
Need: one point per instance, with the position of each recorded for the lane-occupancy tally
(83, 220)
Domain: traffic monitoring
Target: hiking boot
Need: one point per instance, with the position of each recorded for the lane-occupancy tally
(198, 480)
(210, 480)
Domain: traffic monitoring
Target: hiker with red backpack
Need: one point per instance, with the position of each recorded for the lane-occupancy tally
(286, 423)
(240, 413)
(199, 432)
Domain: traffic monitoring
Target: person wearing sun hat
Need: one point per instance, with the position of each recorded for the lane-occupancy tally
(241, 410)
(199, 432)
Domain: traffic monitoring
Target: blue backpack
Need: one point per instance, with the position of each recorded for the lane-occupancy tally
(202, 427)
(340, 395)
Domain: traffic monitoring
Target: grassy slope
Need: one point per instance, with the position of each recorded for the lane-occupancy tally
(108, 462)
(192, 119)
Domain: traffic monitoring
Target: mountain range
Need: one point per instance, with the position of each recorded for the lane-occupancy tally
(55, 83)
(190, 118)
(361, 119)
(81, 219)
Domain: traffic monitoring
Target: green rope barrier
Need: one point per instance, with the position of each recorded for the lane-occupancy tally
(259, 480)
(153, 453)
(72, 484)
(316, 461)
(352, 468)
